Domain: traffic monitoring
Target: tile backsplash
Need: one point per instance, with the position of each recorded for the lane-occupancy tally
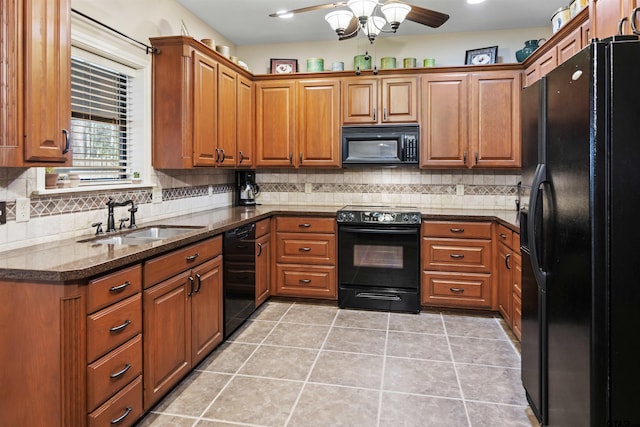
(67, 215)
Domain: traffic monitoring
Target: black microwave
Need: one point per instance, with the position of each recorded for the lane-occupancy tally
(381, 145)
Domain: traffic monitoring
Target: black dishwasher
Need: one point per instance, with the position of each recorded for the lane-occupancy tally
(239, 276)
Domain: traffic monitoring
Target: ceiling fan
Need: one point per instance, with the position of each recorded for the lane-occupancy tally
(361, 15)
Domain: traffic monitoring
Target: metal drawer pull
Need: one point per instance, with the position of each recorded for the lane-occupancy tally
(119, 288)
(260, 249)
(191, 286)
(122, 372)
(304, 249)
(457, 256)
(199, 277)
(305, 225)
(304, 281)
(506, 261)
(192, 257)
(67, 141)
(457, 230)
(504, 236)
(122, 417)
(120, 327)
(457, 290)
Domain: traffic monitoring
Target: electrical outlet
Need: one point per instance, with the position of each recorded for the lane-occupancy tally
(23, 210)
(307, 187)
(460, 190)
(156, 195)
(3, 212)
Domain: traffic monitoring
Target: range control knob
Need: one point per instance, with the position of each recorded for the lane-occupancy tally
(351, 216)
(415, 218)
(405, 218)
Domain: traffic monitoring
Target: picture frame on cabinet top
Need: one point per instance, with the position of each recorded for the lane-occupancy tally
(284, 66)
(481, 56)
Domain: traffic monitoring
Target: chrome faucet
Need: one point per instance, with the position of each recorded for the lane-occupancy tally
(111, 204)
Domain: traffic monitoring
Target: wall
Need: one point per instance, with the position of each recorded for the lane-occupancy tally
(447, 49)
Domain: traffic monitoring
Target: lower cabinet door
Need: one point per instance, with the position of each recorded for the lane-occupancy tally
(167, 335)
(206, 309)
(471, 290)
(121, 410)
(263, 268)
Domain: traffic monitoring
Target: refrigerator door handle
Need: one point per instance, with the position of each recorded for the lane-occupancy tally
(539, 178)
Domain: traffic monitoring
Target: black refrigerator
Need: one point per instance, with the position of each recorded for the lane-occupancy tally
(579, 240)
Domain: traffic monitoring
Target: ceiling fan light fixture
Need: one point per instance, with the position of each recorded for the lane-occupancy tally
(339, 20)
(395, 13)
(362, 8)
(374, 26)
(284, 14)
(475, 1)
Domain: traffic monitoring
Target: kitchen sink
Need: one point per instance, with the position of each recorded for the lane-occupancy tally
(142, 235)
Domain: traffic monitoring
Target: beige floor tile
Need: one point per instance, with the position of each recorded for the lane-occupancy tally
(421, 411)
(473, 326)
(160, 420)
(349, 369)
(429, 323)
(325, 405)
(491, 384)
(362, 319)
(297, 335)
(418, 346)
(493, 415)
(280, 362)
(192, 396)
(421, 377)
(228, 358)
(356, 340)
(266, 402)
(484, 352)
(271, 311)
(252, 332)
(315, 315)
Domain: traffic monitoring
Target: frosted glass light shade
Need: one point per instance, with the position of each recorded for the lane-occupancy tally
(339, 20)
(374, 26)
(395, 12)
(362, 7)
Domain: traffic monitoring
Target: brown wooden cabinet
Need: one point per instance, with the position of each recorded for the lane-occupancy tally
(471, 120)
(508, 275)
(516, 314)
(457, 264)
(263, 261)
(570, 45)
(305, 257)
(35, 77)
(245, 141)
(235, 119)
(297, 123)
(182, 314)
(379, 100)
(605, 16)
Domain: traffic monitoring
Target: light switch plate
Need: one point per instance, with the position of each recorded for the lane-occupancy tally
(460, 190)
(308, 187)
(3, 212)
(23, 210)
(156, 195)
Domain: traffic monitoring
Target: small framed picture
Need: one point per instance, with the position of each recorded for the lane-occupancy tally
(284, 66)
(483, 56)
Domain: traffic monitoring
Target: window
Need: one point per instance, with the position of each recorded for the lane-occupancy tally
(101, 113)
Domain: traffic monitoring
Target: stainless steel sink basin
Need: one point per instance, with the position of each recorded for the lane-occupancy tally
(142, 235)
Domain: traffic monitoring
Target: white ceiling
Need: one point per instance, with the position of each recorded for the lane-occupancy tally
(246, 22)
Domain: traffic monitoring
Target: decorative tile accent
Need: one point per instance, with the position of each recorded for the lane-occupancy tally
(474, 190)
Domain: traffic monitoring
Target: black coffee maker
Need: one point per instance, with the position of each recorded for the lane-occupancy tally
(246, 188)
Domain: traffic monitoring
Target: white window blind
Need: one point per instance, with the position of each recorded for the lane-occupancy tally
(101, 111)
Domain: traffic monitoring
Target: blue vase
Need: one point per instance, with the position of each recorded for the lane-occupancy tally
(529, 47)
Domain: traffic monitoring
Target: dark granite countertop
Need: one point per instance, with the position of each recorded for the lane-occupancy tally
(72, 260)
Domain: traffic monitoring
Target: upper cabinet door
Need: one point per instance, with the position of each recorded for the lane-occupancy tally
(445, 129)
(318, 123)
(495, 119)
(399, 100)
(245, 123)
(605, 15)
(227, 116)
(47, 81)
(10, 120)
(205, 110)
(275, 123)
(359, 101)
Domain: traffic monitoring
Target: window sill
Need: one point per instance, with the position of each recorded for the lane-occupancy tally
(91, 188)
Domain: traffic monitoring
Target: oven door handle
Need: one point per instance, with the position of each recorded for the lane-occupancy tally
(385, 297)
(389, 230)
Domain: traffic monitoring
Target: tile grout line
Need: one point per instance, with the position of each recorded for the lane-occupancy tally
(313, 365)
(455, 369)
(384, 365)
(508, 338)
(200, 418)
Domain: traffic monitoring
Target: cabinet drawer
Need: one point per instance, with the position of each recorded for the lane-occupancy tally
(112, 372)
(112, 326)
(504, 235)
(165, 266)
(306, 281)
(461, 230)
(263, 227)
(306, 249)
(114, 287)
(456, 255)
(125, 406)
(295, 224)
(456, 289)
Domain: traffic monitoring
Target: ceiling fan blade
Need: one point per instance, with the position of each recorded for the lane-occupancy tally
(309, 9)
(351, 30)
(427, 17)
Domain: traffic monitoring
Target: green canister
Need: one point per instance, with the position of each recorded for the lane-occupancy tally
(359, 61)
(409, 62)
(387, 62)
(315, 65)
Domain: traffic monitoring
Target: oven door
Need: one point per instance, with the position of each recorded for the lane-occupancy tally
(379, 256)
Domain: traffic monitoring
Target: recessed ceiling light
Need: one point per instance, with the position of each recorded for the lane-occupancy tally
(284, 15)
(475, 1)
